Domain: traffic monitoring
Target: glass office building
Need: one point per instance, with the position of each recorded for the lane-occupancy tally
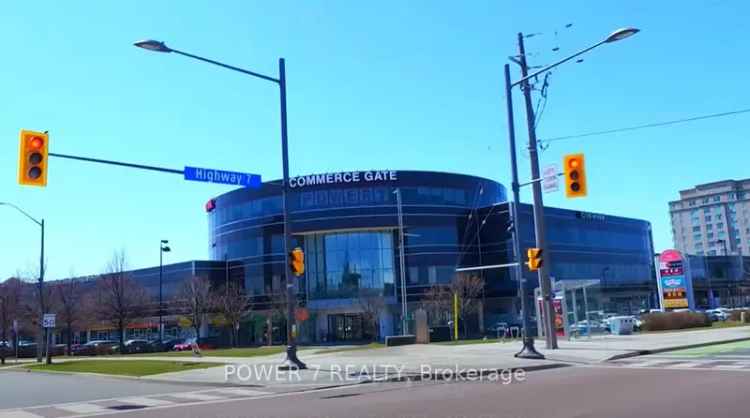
(348, 225)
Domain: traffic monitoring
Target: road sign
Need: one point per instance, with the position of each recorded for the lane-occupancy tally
(49, 320)
(210, 175)
(301, 314)
(549, 179)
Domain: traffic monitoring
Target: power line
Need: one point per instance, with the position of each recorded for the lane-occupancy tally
(648, 125)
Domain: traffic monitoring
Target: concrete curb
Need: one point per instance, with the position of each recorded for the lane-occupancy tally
(673, 348)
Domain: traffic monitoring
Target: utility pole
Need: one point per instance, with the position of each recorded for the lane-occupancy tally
(528, 350)
(43, 331)
(401, 260)
(539, 227)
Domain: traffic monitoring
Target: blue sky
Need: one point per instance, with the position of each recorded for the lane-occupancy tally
(364, 78)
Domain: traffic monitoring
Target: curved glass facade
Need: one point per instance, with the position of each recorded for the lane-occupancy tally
(347, 223)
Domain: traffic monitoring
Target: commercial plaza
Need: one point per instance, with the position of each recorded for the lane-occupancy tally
(347, 223)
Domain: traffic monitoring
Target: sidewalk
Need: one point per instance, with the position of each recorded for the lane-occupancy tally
(412, 361)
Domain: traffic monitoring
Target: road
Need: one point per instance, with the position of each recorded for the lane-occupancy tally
(568, 392)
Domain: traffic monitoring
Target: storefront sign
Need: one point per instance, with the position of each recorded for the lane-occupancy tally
(343, 177)
(673, 284)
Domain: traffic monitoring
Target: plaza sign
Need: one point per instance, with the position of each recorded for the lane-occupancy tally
(343, 177)
(675, 287)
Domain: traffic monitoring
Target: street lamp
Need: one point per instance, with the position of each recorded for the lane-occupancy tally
(291, 361)
(39, 222)
(539, 226)
(163, 248)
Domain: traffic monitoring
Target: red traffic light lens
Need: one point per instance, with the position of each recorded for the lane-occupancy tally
(36, 142)
(574, 163)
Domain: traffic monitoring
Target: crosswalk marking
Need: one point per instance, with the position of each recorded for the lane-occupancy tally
(83, 408)
(241, 392)
(689, 365)
(18, 414)
(647, 363)
(732, 366)
(142, 400)
(195, 396)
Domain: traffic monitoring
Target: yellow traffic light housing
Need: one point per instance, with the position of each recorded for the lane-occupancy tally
(32, 158)
(575, 175)
(297, 261)
(535, 258)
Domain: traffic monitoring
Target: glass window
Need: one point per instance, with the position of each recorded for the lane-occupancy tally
(720, 225)
(722, 234)
(709, 227)
(697, 237)
(732, 196)
(342, 264)
(708, 218)
(710, 235)
(705, 200)
(712, 252)
(718, 217)
(692, 203)
(717, 198)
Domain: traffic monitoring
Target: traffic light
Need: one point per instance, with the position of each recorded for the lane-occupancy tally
(297, 261)
(535, 258)
(575, 175)
(32, 158)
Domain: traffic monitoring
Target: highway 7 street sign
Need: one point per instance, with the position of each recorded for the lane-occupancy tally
(210, 175)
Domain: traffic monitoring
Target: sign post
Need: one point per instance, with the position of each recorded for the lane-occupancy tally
(48, 322)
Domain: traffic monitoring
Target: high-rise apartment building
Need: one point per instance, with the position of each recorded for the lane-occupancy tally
(713, 219)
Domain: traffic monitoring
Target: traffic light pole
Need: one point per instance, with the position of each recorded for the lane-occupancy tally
(291, 361)
(548, 310)
(528, 350)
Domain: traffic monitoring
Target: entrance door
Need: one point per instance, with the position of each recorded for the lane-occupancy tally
(345, 327)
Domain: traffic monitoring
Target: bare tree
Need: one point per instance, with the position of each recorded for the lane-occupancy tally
(118, 298)
(68, 298)
(437, 303)
(371, 302)
(232, 305)
(196, 297)
(469, 290)
(10, 309)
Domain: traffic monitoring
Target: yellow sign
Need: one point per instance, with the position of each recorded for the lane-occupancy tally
(675, 303)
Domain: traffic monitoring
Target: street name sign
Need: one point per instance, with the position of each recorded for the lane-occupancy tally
(210, 175)
(550, 182)
(48, 321)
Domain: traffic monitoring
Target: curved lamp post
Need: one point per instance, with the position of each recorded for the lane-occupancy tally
(292, 361)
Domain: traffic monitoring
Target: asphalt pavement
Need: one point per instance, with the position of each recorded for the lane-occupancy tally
(585, 391)
(22, 389)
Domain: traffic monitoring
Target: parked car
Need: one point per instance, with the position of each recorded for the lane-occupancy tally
(187, 345)
(26, 349)
(717, 314)
(136, 346)
(97, 347)
(585, 326)
(165, 345)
